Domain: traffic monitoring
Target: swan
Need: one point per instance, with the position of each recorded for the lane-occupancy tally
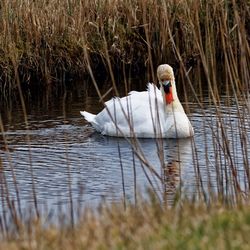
(154, 113)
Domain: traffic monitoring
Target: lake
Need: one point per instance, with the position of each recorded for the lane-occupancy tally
(60, 159)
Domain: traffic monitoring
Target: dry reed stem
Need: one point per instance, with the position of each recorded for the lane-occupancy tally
(48, 38)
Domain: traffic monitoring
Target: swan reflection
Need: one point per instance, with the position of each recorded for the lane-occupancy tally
(163, 165)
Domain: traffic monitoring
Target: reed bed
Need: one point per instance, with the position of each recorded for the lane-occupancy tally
(207, 42)
(48, 40)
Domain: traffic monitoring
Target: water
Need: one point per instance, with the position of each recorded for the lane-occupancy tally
(60, 157)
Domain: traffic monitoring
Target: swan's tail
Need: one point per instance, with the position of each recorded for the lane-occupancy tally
(88, 116)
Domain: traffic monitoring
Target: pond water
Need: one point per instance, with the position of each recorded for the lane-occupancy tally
(60, 158)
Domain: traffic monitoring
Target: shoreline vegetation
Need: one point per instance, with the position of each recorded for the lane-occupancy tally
(48, 41)
(149, 225)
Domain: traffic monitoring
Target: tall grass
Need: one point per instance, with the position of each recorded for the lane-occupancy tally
(147, 226)
(46, 39)
(206, 41)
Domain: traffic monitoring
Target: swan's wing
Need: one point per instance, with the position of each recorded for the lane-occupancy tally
(137, 105)
(153, 90)
(136, 110)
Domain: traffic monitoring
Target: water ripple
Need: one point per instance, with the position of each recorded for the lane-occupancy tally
(57, 156)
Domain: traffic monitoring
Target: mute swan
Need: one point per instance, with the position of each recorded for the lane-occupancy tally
(155, 113)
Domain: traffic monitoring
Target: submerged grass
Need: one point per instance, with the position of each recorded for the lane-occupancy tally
(147, 226)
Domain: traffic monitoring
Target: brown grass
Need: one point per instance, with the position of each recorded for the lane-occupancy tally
(206, 41)
(46, 39)
(147, 226)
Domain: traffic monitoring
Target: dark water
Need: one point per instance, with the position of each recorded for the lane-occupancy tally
(58, 155)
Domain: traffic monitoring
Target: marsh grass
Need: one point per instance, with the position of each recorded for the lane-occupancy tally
(146, 226)
(207, 42)
(46, 40)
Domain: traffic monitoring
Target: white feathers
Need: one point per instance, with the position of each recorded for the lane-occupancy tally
(141, 114)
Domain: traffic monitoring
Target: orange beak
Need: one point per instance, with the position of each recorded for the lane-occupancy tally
(168, 91)
(169, 96)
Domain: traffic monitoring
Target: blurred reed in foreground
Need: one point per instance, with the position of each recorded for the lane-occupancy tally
(147, 226)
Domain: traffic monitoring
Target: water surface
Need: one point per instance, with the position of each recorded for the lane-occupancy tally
(59, 156)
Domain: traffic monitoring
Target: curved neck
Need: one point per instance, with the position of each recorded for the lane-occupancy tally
(175, 105)
(174, 92)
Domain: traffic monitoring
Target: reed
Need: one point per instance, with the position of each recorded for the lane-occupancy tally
(207, 42)
(46, 40)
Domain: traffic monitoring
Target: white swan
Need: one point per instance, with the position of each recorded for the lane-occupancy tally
(150, 114)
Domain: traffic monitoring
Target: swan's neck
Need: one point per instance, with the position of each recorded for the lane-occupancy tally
(175, 105)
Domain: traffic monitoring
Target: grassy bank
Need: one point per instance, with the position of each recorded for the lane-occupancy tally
(147, 226)
(48, 40)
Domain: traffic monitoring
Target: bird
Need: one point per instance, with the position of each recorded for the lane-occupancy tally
(154, 113)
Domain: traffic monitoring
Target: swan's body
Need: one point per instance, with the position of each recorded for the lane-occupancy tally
(145, 114)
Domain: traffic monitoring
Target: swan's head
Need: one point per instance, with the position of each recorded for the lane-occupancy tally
(165, 76)
(165, 73)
